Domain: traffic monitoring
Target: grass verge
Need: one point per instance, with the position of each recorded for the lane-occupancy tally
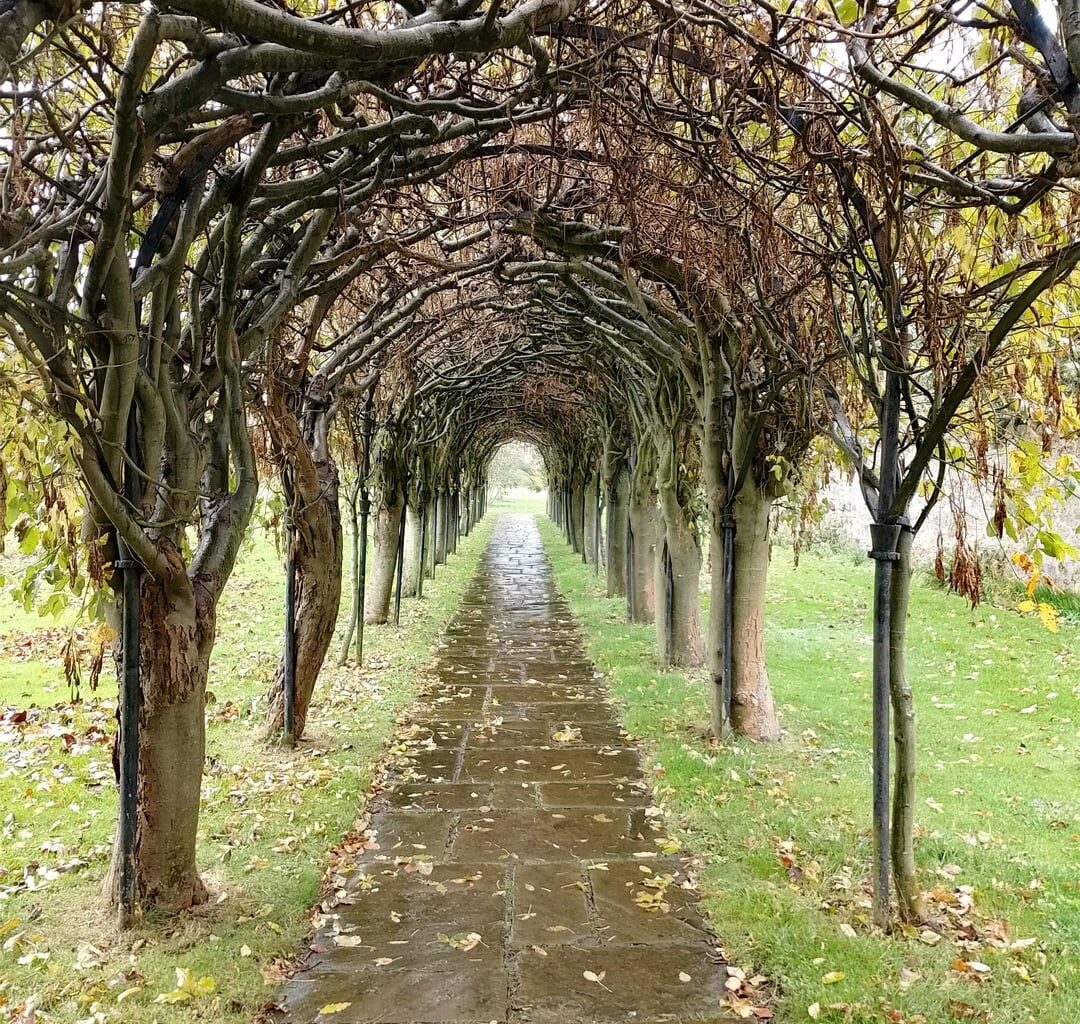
(270, 816)
(783, 830)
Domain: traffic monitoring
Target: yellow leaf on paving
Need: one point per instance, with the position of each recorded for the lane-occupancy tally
(330, 1008)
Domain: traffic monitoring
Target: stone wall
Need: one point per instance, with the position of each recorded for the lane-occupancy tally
(846, 524)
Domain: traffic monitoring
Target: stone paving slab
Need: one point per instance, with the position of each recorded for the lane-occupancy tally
(635, 983)
(582, 764)
(516, 871)
(592, 794)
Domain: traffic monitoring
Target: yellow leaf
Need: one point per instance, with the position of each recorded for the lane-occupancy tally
(204, 986)
(832, 977)
(1048, 614)
(330, 1008)
(187, 988)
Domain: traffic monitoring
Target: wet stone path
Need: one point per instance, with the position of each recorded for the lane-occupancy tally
(517, 870)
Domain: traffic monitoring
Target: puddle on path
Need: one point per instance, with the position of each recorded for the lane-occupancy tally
(519, 872)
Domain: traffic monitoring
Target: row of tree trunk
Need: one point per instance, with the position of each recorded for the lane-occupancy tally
(620, 518)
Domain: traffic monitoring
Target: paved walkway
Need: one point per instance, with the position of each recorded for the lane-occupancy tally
(518, 871)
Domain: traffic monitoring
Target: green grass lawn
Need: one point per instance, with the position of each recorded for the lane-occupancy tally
(783, 831)
(270, 818)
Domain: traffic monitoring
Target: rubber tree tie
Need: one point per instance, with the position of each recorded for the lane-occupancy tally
(884, 556)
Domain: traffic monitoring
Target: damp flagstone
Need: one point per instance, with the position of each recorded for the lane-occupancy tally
(516, 869)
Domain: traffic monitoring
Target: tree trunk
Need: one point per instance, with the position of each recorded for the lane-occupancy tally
(714, 642)
(356, 597)
(441, 520)
(412, 552)
(317, 559)
(577, 515)
(716, 471)
(384, 558)
(429, 539)
(644, 526)
(618, 512)
(455, 522)
(590, 514)
(902, 840)
(753, 710)
(174, 657)
(687, 643)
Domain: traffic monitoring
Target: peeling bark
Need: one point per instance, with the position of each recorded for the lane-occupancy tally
(172, 743)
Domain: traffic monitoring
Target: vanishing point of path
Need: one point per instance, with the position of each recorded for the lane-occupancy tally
(518, 871)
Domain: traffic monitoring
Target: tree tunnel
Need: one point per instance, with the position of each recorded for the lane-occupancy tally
(328, 265)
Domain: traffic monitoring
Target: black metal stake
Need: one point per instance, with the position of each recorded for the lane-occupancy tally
(884, 538)
(289, 673)
(447, 509)
(732, 485)
(631, 576)
(130, 696)
(422, 559)
(727, 677)
(596, 531)
(434, 533)
(402, 529)
(365, 512)
(884, 534)
(669, 604)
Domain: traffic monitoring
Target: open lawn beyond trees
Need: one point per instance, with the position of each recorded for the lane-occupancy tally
(783, 830)
(274, 819)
